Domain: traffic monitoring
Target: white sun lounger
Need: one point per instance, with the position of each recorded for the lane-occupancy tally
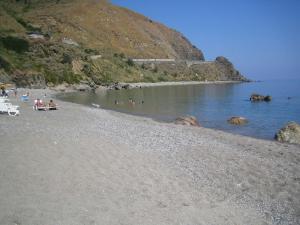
(7, 107)
(4, 100)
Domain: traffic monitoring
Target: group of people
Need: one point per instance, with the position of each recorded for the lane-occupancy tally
(5, 93)
(40, 105)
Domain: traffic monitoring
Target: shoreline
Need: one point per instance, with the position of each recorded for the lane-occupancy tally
(175, 83)
(81, 164)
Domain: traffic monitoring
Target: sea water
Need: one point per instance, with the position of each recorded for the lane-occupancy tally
(211, 104)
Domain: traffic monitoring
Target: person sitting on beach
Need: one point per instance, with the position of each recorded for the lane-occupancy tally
(39, 105)
(52, 105)
(4, 93)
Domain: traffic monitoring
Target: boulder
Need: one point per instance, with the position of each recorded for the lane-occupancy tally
(257, 97)
(36, 36)
(290, 133)
(69, 41)
(126, 86)
(237, 120)
(82, 87)
(115, 86)
(100, 90)
(187, 120)
(268, 98)
(61, 87)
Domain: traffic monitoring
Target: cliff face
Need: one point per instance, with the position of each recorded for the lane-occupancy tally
(49, 42)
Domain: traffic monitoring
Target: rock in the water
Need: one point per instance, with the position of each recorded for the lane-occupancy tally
(187, 120)
(257, 97)
(290, 133)
(267, 98)
(237, 120)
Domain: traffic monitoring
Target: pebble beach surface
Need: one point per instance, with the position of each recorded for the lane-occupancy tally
(84, 165)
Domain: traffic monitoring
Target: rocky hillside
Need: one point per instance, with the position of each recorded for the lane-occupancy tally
(45, 42)
(101, 25)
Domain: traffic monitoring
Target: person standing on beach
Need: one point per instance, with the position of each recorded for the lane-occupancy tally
(16, 92)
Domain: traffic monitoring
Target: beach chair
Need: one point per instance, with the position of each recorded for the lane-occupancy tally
(4, 100)
(52, 107)
(7, 107)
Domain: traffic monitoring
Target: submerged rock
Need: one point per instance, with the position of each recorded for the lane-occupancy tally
(290, 133)
(257, 97)
(187, 120)
(237, 120)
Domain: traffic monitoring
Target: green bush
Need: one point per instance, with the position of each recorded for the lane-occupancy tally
(27, 25)
(155, 69)
(91, 51)
(106, 79)
(119, 55)
(175, 75)
(87, 69)
(130, 62)
(162, 78)
(70, 78)
(16, 44)
(51, 77)
(4, 64)
(149, 79)
(67, 58)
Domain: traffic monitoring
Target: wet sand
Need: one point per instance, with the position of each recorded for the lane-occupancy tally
(81, 165)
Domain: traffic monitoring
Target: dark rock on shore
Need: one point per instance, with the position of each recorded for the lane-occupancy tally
(257, 97)
(237, 120)
(289, 133)
(83, 87)
(119, 86)
(187, 120)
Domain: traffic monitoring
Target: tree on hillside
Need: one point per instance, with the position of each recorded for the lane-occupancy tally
(25, 1)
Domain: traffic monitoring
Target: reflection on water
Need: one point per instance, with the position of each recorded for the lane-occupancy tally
(212, 104)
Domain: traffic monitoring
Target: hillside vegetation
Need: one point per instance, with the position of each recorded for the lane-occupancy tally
(45, 42)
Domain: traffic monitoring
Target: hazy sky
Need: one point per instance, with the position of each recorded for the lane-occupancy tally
(261, 37)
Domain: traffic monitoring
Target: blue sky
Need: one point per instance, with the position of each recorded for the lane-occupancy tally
(261, 37)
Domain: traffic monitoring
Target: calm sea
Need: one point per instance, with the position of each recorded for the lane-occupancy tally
(212, 104)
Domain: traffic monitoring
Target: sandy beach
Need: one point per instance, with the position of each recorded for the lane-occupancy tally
(87, 166)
